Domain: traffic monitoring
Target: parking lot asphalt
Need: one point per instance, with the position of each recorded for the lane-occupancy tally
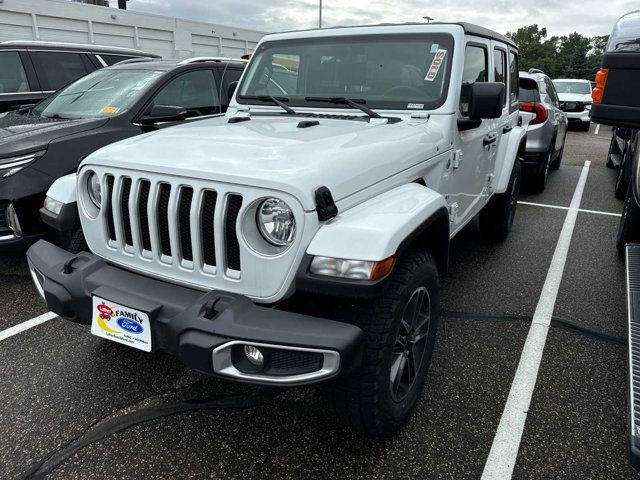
(63, 389)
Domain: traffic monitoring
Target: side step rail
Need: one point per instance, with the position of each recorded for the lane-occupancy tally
(633, 317)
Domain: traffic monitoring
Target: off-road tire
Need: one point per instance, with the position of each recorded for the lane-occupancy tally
(537, 182)
(496, 218)
(78, 243)
(365, 400)
(622, 177)
(629, 227)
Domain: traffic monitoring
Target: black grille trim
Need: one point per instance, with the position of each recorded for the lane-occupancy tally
(209, 199)
(233, 247)
(143, 214)
(184, 222)
(110, 223)
(124, 208)
(163, 218)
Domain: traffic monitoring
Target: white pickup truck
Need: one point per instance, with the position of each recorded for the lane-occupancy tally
(347, 161)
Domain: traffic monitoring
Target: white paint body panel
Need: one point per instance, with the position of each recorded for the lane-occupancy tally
(64, 189)
(374, 229)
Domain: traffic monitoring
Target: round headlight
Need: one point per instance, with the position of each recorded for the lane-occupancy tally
(93, 187)
(276, 222)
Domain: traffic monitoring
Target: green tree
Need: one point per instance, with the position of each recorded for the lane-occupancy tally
(573, 56)
(594, 58)
(536, 50)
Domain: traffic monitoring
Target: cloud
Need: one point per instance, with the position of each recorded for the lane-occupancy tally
(560, 18)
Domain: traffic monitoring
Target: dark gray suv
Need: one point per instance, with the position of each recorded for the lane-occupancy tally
(540, 106)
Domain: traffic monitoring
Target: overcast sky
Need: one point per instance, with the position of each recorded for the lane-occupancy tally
(589, 17)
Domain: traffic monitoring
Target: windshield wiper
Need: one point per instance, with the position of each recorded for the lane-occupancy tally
(353, 103)
(57, 116)
(276, 101)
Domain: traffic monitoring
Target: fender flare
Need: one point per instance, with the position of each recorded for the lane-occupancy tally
(386, 225)
(514, 148)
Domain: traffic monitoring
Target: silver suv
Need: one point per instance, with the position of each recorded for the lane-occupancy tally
(539, 104)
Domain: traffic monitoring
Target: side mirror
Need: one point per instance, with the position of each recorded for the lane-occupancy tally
(487, 100)
(164, 113)
(231, 90)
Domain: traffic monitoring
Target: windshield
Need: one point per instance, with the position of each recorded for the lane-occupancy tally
(383, 71)
(581, 88)
(101, 93)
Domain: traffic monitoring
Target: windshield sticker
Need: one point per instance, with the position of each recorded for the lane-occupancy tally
(438, 60)
(110, 109)
(434, 48)
(415, 106)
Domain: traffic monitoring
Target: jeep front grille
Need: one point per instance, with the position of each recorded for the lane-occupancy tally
(174, 218)
(191, 231)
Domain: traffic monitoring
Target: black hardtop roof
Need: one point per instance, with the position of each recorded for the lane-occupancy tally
(29, 44)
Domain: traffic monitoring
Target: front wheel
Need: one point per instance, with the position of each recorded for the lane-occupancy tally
(496, 218)
(400, 330)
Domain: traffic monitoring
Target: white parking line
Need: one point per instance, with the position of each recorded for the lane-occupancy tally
(583, 210)
(506, 443)
(21, 327)
(597, 129)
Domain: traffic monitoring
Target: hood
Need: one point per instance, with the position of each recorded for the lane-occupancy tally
(574, 97)
(271, 152)
(24, 133)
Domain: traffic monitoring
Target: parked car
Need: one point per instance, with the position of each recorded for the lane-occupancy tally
(30, 71)
(546, 131)
(616, 102)
(40, 144)
(349, 183)
(575, 101)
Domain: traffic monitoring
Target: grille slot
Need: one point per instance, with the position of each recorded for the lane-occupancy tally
(124, 208)
(163, 218)
(184, 221)
(109, 210)
(143, 214)
(207, 227)
(233, 247)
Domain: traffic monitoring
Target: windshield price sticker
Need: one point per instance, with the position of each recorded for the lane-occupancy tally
(438, 60)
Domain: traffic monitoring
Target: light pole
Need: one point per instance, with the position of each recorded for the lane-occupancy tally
(320, 15)
(428, 19)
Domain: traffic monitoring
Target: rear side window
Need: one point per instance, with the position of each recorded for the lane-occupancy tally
(13, 78)
(57, 69)
(500, 68)
(513, 73)
(475, 70)
(529, 90)
(551, 91)
(113, 59)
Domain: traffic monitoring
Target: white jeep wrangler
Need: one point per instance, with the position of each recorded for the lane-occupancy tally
(347, 161)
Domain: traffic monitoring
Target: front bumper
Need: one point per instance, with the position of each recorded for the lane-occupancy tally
(203, 330)
(575, 117)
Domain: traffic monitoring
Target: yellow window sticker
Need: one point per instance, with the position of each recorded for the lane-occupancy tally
(110, 109)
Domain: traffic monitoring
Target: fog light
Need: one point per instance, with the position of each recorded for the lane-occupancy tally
(38, 280)
(254, 355)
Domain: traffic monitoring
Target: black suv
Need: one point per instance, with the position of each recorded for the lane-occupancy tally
(31, 71)
(42, 143)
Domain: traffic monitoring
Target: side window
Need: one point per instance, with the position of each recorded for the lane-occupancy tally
(500, 68)
(57, 69)
(513, 74)
(13, 78)
(113, 59)
(551, 91)
(475, 70)
(230, 75)
(196, 91)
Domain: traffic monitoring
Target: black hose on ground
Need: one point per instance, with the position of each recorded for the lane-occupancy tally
(103, 429)
(555, 322)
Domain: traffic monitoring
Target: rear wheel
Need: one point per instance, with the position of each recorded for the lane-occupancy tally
(622, 179)
(538, 181)
(496, 218)
(400, 330)
(629, 228)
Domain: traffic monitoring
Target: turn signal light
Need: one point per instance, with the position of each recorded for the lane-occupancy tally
(382, 268)
(601, 82)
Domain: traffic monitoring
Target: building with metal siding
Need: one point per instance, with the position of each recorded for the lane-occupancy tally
(64, 21)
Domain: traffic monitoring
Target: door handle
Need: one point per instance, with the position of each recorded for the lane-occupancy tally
(489, 139)
(507, 129)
